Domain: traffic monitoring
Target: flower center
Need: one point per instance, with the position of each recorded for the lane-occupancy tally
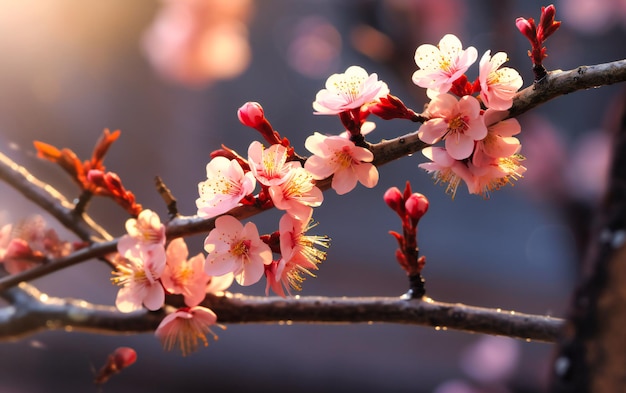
(350, 87)
(458, 125)
(240, 248)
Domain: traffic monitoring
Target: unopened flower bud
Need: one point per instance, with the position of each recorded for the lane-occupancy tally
(527, 28)
(393, 199)
(251, 114)
(416, 206)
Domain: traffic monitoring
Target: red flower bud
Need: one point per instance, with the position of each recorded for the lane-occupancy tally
(416, 206)
(527, 28)
(393, 198)
(251, 114)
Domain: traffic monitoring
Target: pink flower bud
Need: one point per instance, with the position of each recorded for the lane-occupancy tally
(124, 357)
(416, 206)
(251, 114)
(527, 27)
(393, 199)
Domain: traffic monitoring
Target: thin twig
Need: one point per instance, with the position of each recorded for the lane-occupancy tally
(49, 199)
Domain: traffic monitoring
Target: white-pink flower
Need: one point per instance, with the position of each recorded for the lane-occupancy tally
(349, 90)
(500, 172)
(297, 195)
(238, 249)
(184, 276)
(299, 254)
(445, 169)
(140, 283)
(499, 141)
(145, 238)
(460, 123)
(441, 66)
(187, 328)
(340, 157)
(225, 187)
(497, 85)
(269, 166)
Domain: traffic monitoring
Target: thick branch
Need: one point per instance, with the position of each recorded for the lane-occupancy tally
(49, 199)
(33, 311)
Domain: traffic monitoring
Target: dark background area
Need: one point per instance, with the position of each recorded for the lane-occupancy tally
(70, 69)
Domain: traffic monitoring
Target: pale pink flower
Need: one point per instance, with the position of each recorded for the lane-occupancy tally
(269, 166)
(500, 172)
(497, 85)
(140, 283)
(460, 123)
(349, 90)
(145, 238)
(184, 276)
(298, 194)
(298, 254)
(225, 187)
(446, 169)
(28, 243)
(235, 248)
(499, 141)
(187, 328)
(441, 65)
(340, 157)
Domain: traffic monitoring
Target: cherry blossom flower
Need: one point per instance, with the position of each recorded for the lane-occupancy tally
(235, 248)
(225, 187)
(184, 276)
(186, 328)
(145, 238)
(500, 172)
(298, 194)
(140, 283)
(458, 122)
(349, 90)
(441, 65)
(28, 243)
(445, 169)
(340, 157)
(498, 85)
(298, 254)
(499, 141)
(269, 166)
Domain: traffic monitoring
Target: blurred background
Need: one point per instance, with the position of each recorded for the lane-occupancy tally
(171, 75)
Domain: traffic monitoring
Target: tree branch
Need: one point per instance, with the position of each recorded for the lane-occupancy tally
(49, 199)
(33, 311)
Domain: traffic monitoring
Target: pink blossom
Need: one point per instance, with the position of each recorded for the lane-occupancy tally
(441, 65)
(349, 90)
(446, 169)
(145, 238)
(235, 248)
(500, 172)
(269, 166)
(498, 85)
(184, 276)
(340, 157)
(28, 243)
(458, 122)
(225, 187)
(499, 141)
(298, 194)
(186, 328)
(140, 283)
(298, 255)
